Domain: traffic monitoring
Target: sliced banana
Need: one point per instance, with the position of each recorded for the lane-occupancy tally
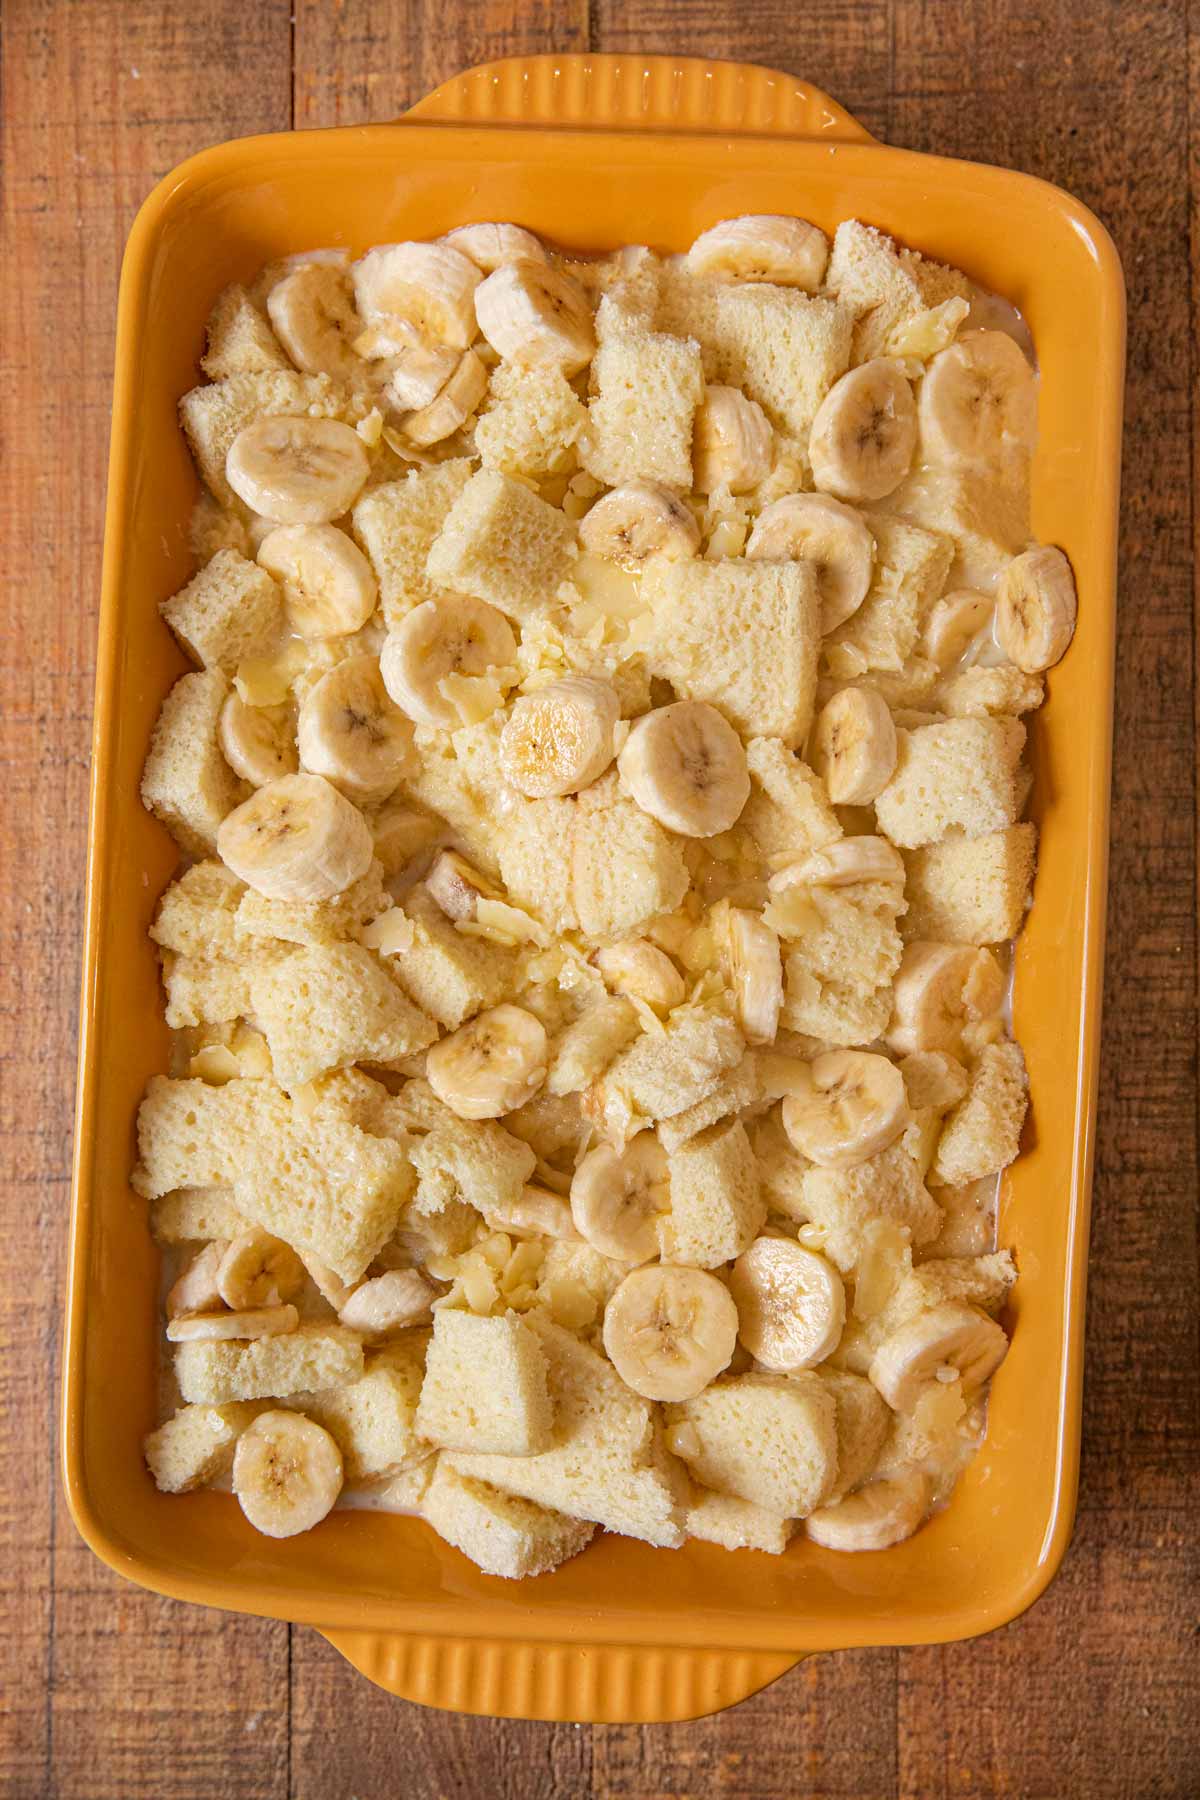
(640, 969)
(670, 1331)
(258, 742)
(536, 1212)
(264, 1321)
(196, 1290)
(259, 1270)
(418, 290)
(296, 839)
(529, 312)
(297, 471)
(732, 445)
(458, 886)
(639, 520)
(401, 832)
(329, 587)
(454, 636)
(491, 1065)
(865, 432)
(790, 1302)
(559, 738)
(978, 399)
(313, 313)
(854, 746)
(418, 374)
(618, 1197)
(684, 765)
(855, 1106)
(874, 1517)
(590, 1043)
(953, 621)
(763, 247)
(389, 1303)
(452, 407)
(817, 529)
(1035, 609)
(843, 863)
(351, 732)
(490, 246)
(939, 989)
(287, 1473)
(755, 967)
(951, 1337)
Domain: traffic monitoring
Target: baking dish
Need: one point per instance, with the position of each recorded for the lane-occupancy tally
(592, 152)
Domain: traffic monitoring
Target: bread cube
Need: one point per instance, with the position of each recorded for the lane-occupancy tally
(736, 1524)
(605, 1463)
(743, 636)
(911, 565)
(770, 1439)
(784, 349)
(485, 1386)
(663, 1074)
(781, 1168)
(533, 419)
(863, 1421)
(841, 950)
(205, 990)
(214, 1372)
(373, 1420)
(983, 1281)
(195, 1446)
(196, 913)
(883, 285)
(448, 975)
(717, 1204)
(240, 340)
(647, 387)
(686, 305)
(195, 1215)
(471, 1160)
(405, 1492)
(328, 1005)
(313, 921)
(983, 1133)
(982, 693)
(396, 525)
(534, 850)
(984, 509)
(213, 416)
(625, 870)
(845, 1203)
(788, 809)
(229, 611)
(970, 890)
(740, 1088)
(186, 781)
(501, 1533)
(960, 775)
(576, 1282)
(504, 545)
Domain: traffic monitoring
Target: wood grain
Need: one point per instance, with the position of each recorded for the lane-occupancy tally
(110, 1693)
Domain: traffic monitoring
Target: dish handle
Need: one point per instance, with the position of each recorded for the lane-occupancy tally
(639, 93)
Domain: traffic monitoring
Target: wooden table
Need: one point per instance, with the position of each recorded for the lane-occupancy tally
(110, 1694)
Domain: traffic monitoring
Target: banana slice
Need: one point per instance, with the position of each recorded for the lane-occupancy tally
(732, 445)
(491, 1065)
(756, 973)
(296, 839)
(329, 587)
(684, 765)
(297, 471)
(265, 1321)
(865, 432)
(351, 732)
(842, 864)
(389, 1303)
(978, 399)
(953, 621)
(287, 1473)
(196, 1291)
(454, 636)
(876, 1516)
(669, 1331)
(457, 885)
(258, 742)
(951, 1337)
(639, 968)
(529, 312)
(452, 407)
(618, 1197)
(313, 313)
(854, 746)
(763, 247)
(537, 1212)
(639, 520)
(419, 372)
(790, 1302)
(401, 833)
(855, 1106)
(816, 529)
(490, 246)
(559, 738)
(259, 1270)
(1035, 610)
(421, 290)
(938, 990)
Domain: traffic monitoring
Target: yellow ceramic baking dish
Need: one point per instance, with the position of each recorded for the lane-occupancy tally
(593, 152)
